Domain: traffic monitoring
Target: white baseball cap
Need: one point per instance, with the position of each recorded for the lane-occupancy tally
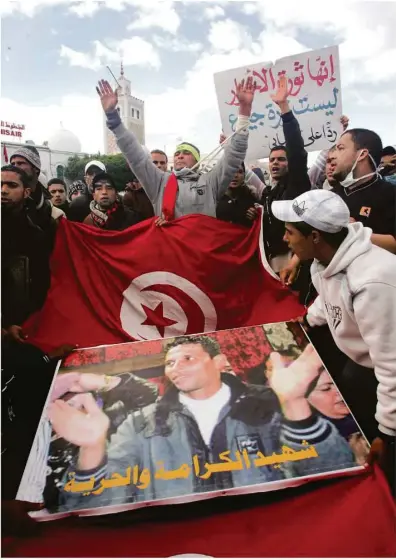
(323, 210)
(95, 163)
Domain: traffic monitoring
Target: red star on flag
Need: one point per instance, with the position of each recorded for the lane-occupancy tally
(155, 317)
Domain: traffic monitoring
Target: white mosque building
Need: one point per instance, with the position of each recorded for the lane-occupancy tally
(54, 153)
(63, 143)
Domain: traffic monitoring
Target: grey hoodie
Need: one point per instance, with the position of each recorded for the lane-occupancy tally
(197, 193)
(357, 299)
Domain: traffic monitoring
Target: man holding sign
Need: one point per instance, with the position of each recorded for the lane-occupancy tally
(288, 168)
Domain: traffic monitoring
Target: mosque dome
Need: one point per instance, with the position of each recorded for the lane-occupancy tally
(64, 141)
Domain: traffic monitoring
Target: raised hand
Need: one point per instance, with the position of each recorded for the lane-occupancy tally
(280, 96)
(108, 97)
(345, 122)
(291, 383)
(85, 428)
(245, 94)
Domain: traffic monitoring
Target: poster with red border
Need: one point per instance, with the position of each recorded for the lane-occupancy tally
(189, 418)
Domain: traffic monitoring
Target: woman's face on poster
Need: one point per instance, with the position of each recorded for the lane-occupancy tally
(327, 399)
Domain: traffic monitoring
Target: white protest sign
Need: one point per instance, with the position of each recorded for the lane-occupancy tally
(314, 97)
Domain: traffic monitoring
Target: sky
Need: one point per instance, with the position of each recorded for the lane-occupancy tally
(53, 52)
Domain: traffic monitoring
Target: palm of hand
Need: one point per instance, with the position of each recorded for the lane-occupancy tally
(292, 382)
(77, 427)
(245, 91)
(108, 97)
(281, 94)
(109, 101)
(245, 95)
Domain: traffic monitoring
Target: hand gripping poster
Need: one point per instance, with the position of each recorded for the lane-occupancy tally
(189, 418)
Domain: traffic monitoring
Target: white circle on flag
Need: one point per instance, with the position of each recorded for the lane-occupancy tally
(139, 300)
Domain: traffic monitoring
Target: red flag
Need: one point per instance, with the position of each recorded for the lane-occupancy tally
(196, 274)
(5, 154)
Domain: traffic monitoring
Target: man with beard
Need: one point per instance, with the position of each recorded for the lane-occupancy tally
(370, 199)
(106, 211)
(289, 178)
(39, 206)
(25, 253)
(351, 172)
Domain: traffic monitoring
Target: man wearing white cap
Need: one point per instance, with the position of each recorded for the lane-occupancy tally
(80, 207)
(356, 283)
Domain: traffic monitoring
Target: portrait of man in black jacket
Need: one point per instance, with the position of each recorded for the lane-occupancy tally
(203, 413)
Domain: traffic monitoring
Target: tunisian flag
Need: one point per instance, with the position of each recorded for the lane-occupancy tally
(197, 274)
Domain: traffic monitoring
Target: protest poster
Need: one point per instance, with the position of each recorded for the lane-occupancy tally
(189, 418)
(314, 97)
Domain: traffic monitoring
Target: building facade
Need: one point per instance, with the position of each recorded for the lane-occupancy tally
(54, 156)
(132, 115)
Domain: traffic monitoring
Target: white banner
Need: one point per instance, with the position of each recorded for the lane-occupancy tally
(314, 98)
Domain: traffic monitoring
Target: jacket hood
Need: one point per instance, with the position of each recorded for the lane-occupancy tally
(357, 242)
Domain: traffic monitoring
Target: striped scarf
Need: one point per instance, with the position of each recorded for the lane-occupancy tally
(99, 217)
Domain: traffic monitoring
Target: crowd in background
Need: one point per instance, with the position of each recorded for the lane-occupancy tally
(355, 181)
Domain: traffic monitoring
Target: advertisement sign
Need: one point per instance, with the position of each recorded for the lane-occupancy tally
(12, 129)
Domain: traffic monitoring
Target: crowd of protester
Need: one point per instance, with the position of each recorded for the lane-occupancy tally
(329, 232)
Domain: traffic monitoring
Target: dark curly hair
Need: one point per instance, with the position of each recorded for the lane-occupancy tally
(210, 345)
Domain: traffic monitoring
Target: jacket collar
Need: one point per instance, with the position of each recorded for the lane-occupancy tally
(248, 403)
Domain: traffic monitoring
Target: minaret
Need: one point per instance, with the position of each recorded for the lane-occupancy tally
(131, 112)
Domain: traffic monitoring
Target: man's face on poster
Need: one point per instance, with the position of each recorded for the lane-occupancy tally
(190, 368)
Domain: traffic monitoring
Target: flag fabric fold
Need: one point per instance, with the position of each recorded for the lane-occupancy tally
(196, 274)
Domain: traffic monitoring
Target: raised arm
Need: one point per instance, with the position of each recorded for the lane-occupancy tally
(219, 178)
(297, 156)
(150, 177)
(300, 422)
